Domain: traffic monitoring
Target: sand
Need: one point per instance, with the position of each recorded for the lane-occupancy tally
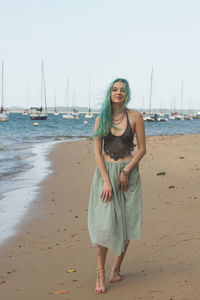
(53, 236)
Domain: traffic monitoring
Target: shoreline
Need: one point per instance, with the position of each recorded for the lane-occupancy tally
(25, 187)
(53, 235)
(15, 202)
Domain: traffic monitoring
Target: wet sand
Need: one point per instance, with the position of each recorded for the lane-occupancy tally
(53, 236)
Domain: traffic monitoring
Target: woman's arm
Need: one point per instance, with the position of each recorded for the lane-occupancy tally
(107, 188)
(141, 144)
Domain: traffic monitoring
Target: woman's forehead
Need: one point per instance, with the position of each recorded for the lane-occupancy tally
(119, 84)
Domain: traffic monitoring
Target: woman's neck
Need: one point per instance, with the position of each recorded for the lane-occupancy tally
(117, 109)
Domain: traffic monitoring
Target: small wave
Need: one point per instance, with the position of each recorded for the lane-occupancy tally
(57, 137)
(9, 173)
(4, 175)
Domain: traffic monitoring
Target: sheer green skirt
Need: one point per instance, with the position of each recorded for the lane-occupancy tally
(112, 224)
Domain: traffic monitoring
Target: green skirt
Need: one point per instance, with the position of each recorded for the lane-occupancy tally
(112, 224)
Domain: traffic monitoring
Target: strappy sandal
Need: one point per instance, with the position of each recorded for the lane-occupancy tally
(98, 289)
(114, 275)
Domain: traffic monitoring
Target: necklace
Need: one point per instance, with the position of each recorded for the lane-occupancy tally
(119, 120)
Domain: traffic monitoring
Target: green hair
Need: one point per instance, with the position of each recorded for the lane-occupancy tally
(105, 119)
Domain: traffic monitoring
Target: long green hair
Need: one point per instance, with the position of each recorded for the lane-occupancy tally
(105, 119)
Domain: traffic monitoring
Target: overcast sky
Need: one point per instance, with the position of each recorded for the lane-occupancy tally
(103, 39)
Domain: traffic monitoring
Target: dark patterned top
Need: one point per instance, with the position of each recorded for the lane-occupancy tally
(119, 146)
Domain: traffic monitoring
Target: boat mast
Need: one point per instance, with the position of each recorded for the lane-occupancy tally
(27, 95)
(44, 87)
(2, 87)
(89, 92)
(41, 91)
(150, 96)
(67, 95)
(181, 95)
(73, 100)
(143, 102)
(55, 103)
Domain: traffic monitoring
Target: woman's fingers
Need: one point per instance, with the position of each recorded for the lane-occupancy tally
(105, 195)
(110, 195)
(123, 182)
(123, 185)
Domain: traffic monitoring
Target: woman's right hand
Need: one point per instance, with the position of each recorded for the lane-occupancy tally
(106, 192)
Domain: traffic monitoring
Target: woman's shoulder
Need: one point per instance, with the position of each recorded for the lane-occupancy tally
(134, 114)
(97, 119)
(96, 123)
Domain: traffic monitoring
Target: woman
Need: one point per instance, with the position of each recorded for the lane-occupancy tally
(114, 214)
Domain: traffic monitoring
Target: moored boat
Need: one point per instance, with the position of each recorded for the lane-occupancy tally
(56, 113)
(26, 112)
(3, 113)
(89, 114)
(179, 117)
(38, 113)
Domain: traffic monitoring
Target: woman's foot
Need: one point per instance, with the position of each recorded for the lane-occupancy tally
(100, 283)
(115, 276)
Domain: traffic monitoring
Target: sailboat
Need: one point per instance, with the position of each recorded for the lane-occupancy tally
(56, 113)
(89, 114)
(180, 116)
(148, 117)
(26, 111)
(38, 113)
(196, 115)
(75, 112)
(68, 115)
(3, 114)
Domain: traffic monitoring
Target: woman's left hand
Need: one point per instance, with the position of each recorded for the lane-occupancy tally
(123, 182)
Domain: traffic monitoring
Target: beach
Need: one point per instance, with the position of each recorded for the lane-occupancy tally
(52, 238)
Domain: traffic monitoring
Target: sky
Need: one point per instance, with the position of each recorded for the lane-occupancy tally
(101, 40)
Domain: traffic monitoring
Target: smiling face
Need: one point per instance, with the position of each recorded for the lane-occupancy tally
(118, 93)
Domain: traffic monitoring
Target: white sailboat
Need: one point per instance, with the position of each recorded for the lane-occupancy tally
(75, 112)
(26, 111)
(196, 115)
(3, 114)
(89, 114)
(68, 115)
(189, 116)
(149, 116)
(158, 118)
(56, 113)
(38, 113)
(180, 116)
(171, 116)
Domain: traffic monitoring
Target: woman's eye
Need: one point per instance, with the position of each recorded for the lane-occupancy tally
(121, 90)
